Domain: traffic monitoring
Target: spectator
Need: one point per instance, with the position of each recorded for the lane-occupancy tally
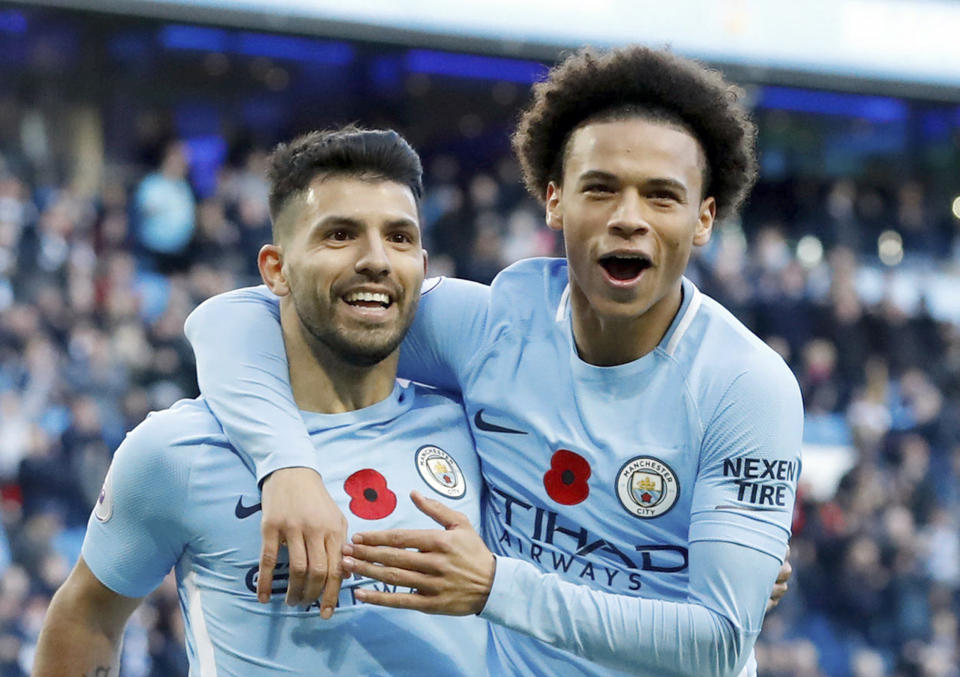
(165, 210)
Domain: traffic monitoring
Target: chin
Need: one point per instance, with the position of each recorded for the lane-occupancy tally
(620, 310)
(369, 350)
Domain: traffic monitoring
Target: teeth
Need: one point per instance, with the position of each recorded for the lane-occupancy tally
(368, 296)
(628, 257)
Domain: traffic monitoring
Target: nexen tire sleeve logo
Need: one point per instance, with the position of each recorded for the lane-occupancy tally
(647, 487)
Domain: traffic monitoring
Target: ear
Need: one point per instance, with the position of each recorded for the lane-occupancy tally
(270, 263)
(708, 214)
(426, 261)
(554, 215)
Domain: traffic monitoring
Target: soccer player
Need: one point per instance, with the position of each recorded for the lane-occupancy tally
(347, 264)
(640, 447)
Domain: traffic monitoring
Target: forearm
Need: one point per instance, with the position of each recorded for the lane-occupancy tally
(709, 635)
(74, 643)
(243, 373)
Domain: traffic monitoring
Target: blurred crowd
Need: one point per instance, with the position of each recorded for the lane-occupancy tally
(95, 286)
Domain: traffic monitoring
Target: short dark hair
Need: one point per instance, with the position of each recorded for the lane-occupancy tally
(590, 86)
(369, 154)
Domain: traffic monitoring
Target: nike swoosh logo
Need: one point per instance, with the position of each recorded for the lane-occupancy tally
(492, 427)
(243, 511)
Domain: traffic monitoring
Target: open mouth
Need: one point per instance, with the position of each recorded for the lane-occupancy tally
(625, 267)
(367, 299)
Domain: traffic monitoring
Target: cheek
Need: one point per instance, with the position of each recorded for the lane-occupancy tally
(312, 285)
(409, 268)
(678, 239)
(576, 235)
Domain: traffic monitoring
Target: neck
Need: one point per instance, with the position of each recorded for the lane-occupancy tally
(321, 381)
(607, 341)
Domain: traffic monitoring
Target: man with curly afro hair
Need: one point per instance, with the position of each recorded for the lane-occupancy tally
(639, 446)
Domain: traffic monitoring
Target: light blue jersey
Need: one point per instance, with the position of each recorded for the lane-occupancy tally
(639, 513)
(177, 495)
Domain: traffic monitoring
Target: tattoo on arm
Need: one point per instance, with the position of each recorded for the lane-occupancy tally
(101, 671)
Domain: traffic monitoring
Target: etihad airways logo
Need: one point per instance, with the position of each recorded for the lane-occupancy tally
(554, 543)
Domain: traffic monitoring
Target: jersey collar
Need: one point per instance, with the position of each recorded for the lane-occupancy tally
(692, 300)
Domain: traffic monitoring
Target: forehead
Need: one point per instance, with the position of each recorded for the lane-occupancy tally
(635, 146)
(356, 198)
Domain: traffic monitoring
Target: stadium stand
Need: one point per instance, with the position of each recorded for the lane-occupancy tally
(851, 277)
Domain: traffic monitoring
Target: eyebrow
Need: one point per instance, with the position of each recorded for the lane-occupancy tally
(347, 222)
(656, 182)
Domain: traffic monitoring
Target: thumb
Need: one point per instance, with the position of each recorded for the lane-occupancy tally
(438, 512)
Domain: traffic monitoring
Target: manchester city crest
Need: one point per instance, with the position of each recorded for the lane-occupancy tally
(440, 472)
(647, 487)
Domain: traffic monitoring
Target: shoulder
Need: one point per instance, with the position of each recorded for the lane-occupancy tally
(257, 295)
(167, 440)
(149, 476)
(452, 289)
(530, 289)
(538, 273)
(724, 359)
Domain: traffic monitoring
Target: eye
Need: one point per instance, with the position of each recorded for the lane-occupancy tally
(340, 235)
(402, 237)
(597, 188)
(664, 196)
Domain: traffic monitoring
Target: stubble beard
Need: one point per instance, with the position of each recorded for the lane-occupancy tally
(356, 347)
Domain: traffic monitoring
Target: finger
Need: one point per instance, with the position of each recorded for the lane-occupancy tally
(268, 562)
(786, 570)
(390, 575)
(317, 569)
(396, 557)
(298, 569)
(421, 539)
(331, 591)
(396, 600)
(438, 512)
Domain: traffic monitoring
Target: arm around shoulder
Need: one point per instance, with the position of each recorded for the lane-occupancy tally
(243, 374)
(448, 332)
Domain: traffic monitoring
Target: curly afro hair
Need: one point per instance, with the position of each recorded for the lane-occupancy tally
(590, 86)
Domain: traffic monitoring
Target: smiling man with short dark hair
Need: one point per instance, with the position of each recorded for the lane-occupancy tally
(347, 266)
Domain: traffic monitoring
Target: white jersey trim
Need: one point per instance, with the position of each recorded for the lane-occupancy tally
(564, 304)
(198, 624)
(695, 300)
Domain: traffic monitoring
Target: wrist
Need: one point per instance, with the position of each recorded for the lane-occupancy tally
(490, 578)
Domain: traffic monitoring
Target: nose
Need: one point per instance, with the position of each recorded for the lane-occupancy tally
(373, 260)
(627, 218)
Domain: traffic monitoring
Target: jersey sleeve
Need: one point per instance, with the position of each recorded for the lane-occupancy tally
(710, 635)
(750, 462)
(243, 374)
(450, 327)
(136, 532)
